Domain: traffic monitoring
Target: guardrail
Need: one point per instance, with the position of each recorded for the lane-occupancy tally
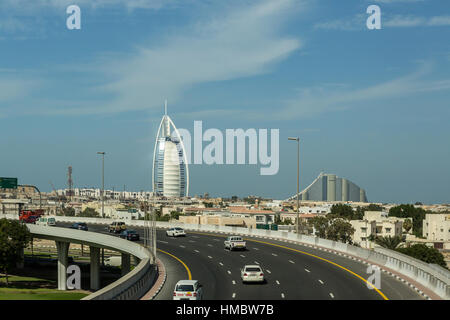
(434, 278)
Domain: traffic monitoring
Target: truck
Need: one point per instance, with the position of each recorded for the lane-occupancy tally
(234, 243)
(117, 227)
(25, 215)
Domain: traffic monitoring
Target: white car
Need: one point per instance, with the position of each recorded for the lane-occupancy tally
(252, 273)
(234, 243)
(175, 232)
(188, 290)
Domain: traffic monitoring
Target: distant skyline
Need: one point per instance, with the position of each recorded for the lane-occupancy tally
(370, 106)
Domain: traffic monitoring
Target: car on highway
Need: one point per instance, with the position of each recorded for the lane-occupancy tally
(234, 243)
(117, 227)
(188, 290)
(45, 221)
(252, 273)
(175, 232)
(131, 235)
(79, 226)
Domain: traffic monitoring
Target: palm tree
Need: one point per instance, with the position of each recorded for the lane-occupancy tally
(389, 242)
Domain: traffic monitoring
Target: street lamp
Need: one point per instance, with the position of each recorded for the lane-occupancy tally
(298, 176)
(103, 183)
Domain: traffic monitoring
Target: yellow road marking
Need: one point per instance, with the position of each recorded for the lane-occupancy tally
(179, 260)
(312, 255)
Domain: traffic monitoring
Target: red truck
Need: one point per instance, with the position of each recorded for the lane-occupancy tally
(30, 216)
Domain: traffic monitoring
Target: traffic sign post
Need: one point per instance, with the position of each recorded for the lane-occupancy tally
(8, 183)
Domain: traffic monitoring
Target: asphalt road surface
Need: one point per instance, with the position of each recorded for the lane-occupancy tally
(292, 272)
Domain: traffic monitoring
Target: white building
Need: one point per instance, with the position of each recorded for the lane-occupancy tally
(436, 227)
(170, 165)
(377, 224)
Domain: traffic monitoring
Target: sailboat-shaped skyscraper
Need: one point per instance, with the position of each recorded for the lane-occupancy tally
(170, 167)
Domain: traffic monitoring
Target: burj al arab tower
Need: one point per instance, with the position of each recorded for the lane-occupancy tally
(170, 166)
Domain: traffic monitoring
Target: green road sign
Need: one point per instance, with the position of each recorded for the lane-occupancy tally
(8, 183)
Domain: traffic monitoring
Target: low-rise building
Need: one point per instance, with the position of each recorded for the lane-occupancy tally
(376, 224)
(436, 227)
(220, 220)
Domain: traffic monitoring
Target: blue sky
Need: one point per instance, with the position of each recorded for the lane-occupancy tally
(369, 105)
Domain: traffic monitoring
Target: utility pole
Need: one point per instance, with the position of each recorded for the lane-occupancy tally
(103, 183)
(298, 178)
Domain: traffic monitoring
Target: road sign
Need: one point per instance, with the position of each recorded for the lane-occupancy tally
(8, 183)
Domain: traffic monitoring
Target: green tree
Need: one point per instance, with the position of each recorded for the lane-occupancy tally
(407, 225)
(320, 224)
(14, 237)
(389, 242)
(68, 212)
(89, 213)
(342, 211)
(409, 211)
(374, 207)
(424, 253)
(175, 215)
(340, 230)
(359, 213)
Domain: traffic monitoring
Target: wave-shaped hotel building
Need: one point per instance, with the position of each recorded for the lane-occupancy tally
(330, 187)
(170, 166)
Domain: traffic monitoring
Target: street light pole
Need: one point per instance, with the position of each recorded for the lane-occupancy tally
(298, 178)
(103, 183)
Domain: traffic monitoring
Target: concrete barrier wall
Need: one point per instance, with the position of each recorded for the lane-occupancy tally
(434, 278)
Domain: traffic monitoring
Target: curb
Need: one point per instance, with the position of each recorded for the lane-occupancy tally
(159, 283)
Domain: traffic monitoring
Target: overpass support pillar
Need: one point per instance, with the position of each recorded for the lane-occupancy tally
(63, 262)
(95, 268)
(125, 263)
(20, 264)
(136, 261)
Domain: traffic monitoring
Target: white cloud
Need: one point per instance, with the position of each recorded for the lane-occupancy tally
(33, 5)
(358, 22)
(241, 42)
(414, 21)
(317, 100)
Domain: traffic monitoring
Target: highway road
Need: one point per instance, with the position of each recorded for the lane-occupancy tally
(293, 272)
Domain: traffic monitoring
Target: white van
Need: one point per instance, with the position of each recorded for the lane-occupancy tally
(113, 261)
(46, 221)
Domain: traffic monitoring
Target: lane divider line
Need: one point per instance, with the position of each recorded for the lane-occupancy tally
(179, 260)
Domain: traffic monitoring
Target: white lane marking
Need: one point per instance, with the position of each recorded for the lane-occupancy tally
(229, 272)
(256, 262)
(278, 282)
(242, 255)
(197, 251)
(331, 295)
(161, 241)
(210, 245)
(282, 295)
(234, 295)
(210, 257)
(255, 249)
(307, 270)
(321, 282)
(291, 261)
(268, 271)
(182, 246)
(191, 241)
(234, 282)
(221, 264)
(216, 239)
(274, 254)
